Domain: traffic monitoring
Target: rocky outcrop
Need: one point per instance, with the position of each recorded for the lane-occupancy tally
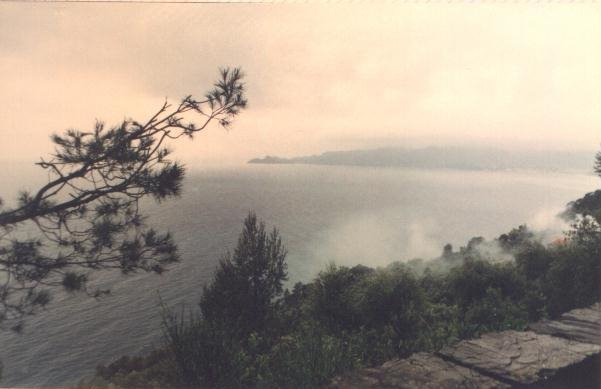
(496, 360)
(579, 324)
(519, 357)
(421, 370)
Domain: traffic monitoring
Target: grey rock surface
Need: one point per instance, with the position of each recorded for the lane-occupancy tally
(520, 357)
(583, 325)
(421, 370)
(495, 360)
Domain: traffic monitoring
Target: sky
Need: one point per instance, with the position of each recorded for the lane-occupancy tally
(319, 76)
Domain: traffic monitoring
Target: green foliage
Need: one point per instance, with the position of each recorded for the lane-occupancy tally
(203, 351)
(588, 205)
(153, 371)
(246, 283)
(493, 312)
(308, 357)
(393, 297)
(333, 302)
(352, 317)
(468, 283)
(516, 238)
(229, 342)
(532, 260)
(573, 277)
(87, 214)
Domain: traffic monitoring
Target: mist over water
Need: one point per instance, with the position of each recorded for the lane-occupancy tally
(347, 215)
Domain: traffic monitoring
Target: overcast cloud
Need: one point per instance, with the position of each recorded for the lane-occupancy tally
(319, 77)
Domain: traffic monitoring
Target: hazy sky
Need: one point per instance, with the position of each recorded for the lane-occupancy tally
(319, 77)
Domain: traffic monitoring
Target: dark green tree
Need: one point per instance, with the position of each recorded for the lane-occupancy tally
(572, 280)
(590, 203)
(333, 299)
(516, 238)
(447, 251)
(87, 214)
(247, 282)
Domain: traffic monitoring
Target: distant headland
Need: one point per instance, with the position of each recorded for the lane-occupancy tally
(462, 158)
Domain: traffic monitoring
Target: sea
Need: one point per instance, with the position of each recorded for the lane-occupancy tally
(325, 214)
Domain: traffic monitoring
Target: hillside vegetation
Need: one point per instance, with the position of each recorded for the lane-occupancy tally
(251, 332)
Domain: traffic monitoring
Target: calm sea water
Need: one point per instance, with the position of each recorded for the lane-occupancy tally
(347, 215)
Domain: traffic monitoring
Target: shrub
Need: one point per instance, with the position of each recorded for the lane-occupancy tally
(309, 357)
(246, 283)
